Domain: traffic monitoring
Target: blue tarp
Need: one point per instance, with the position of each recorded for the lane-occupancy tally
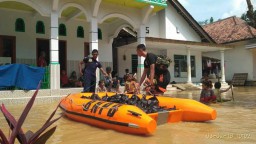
(21, 76)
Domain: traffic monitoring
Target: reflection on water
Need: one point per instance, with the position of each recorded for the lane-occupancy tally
(235, 123)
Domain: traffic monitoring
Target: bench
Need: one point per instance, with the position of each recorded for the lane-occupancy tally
(239, 79)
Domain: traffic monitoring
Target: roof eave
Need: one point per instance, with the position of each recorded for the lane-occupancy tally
(154, 39)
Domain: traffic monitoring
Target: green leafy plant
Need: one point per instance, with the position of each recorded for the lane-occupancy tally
(39, 137)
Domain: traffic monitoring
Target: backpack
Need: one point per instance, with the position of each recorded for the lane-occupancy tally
(163, 60)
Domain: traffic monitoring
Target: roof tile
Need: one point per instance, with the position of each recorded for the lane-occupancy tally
(230, 30)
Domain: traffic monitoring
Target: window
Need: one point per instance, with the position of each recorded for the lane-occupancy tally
(99, 34)
(19, 25)
(40, 27)
(80, 32)
(180, 66)
(134, 63)
(62, 30)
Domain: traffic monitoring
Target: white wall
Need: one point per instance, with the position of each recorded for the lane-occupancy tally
(75, 45)
(237, 60)
(162, 24)
(26, 41)
(155, 26)
(174, 20)
(166, 23)
(254, 63)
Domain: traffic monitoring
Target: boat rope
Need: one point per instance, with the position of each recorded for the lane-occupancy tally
(89, 87)
(132, 125)
(83, 105)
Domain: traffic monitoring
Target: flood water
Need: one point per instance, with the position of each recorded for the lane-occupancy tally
(235, 123)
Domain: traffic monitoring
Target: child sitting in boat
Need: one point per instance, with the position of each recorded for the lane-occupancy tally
(131, 85)
(207, 94)
(101, 87)
(218, 91)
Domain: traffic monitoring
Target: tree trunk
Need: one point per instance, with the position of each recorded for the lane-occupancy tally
(250, 14)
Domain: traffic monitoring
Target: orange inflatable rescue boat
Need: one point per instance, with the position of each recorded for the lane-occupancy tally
(140, 118)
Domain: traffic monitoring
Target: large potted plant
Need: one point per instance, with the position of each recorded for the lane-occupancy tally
(38, 137)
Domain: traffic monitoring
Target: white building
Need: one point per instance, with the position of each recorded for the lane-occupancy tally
(67, 30)
(173, 32)
(242, 58)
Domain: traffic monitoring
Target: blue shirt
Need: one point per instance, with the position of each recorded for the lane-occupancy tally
(90, 67)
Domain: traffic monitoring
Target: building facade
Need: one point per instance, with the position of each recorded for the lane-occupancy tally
(242, 58)
(67, 30)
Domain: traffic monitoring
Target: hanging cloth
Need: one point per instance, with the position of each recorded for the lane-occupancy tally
(209, 63)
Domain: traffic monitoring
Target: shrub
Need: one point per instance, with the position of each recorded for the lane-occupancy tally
(39, 137)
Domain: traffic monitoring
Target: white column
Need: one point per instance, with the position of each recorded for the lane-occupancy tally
(141, 40)
(188, 66)
(223, 79)
(93, 34)
(93, 39)
(54, 52)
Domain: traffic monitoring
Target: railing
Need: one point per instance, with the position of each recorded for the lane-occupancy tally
(161, 3)
(46, 79)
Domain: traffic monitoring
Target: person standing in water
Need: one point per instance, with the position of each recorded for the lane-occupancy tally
(89, 71)
(159, 76)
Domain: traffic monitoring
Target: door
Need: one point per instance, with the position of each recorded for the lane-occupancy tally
(7, 49)
(63, 55)
(43, 46)
(86, 49)
(134, 63)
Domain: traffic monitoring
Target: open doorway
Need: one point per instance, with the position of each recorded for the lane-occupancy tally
(211, 66)
(43, 46)
(7, 49)
(63, 55)
(125, 36)
(86, 49)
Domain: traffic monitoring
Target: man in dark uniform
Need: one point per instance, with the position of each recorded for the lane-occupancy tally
(89, 71)
(156, 72)
(163, 77)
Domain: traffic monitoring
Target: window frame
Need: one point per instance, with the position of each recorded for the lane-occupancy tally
(38, 24)
(99, 34)
(80, 32)
(20, 25)
(62, 30)
(180, 66)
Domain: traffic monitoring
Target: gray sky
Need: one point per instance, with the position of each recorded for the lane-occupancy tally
(218, 9)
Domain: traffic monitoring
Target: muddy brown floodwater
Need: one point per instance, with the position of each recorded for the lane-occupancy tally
(235, 123)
